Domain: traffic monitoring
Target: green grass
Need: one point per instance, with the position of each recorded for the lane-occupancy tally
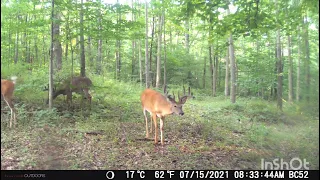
(213, 133)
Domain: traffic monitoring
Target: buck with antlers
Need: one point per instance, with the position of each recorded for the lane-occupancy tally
(7, 88)
(161, 105)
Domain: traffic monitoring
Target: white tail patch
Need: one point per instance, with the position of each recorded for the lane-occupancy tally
(14, 78)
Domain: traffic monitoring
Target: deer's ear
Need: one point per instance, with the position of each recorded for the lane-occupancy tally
(183, 99)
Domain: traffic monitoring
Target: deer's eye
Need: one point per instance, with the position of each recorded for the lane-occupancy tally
(175, 106)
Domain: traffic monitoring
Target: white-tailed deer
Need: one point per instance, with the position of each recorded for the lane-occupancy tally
(160, 105)
(7, 88)
(78, 85)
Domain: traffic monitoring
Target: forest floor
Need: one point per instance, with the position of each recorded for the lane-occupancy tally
(213, 134)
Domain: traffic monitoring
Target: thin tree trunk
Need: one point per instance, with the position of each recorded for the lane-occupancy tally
(290, 72)
(99, 56)
(159, 54)
(226, 80)
(164, 50)
(279, 65)
(118, 46)
(211, 68)
(89, 51)
(25, 53)
(146, 46)
(51, 58)
(133, 45)
(140, 63)
(82, 57)
(16, 54)
(150, 52)
(204, 72)
(216, 74)
(67, 36)
(298, 66)
(133, 59)
(57, 49)
(187, 34)
(44, 51)
(232, 71)
(279, 72)
(307, 62)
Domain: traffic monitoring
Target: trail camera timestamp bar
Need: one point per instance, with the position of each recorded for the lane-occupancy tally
(159, 174)
(222, 174)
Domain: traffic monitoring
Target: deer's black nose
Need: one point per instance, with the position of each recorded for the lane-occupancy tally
(181, 114)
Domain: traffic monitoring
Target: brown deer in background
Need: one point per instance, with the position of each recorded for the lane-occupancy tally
(7, 88)
(77, 84)
(161, 105)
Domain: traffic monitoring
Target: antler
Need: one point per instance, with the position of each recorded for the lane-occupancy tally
(46, 88)
(173, 96)
(165, 90)
(166, 93)
(189, 95)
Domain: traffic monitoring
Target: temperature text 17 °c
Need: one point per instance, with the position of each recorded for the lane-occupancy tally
(133, 174)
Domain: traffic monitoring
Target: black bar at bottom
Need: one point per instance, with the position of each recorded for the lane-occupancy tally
(159, 174)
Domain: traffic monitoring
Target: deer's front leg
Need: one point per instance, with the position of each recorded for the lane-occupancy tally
(161, 130)
(154, 117)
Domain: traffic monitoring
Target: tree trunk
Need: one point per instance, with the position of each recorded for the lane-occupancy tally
(16, 54)
(44, 50)
(57, 49)
(204, 72)
(146, 46)
(118, 45)
(25, 52)
(279, 65)
(82, 57)
(133, 61)
(164, 50)
(232, 71)
(140, 63)
(51, 58)
(89, 52)
(307, 62)
(67, 36)
(133, 45)
(279, 72)
(298, 66)
(150, 52)
(159, 54)
(99, 56)
(290, 72)
(211, 68)
(187, 41)
(226, 80)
